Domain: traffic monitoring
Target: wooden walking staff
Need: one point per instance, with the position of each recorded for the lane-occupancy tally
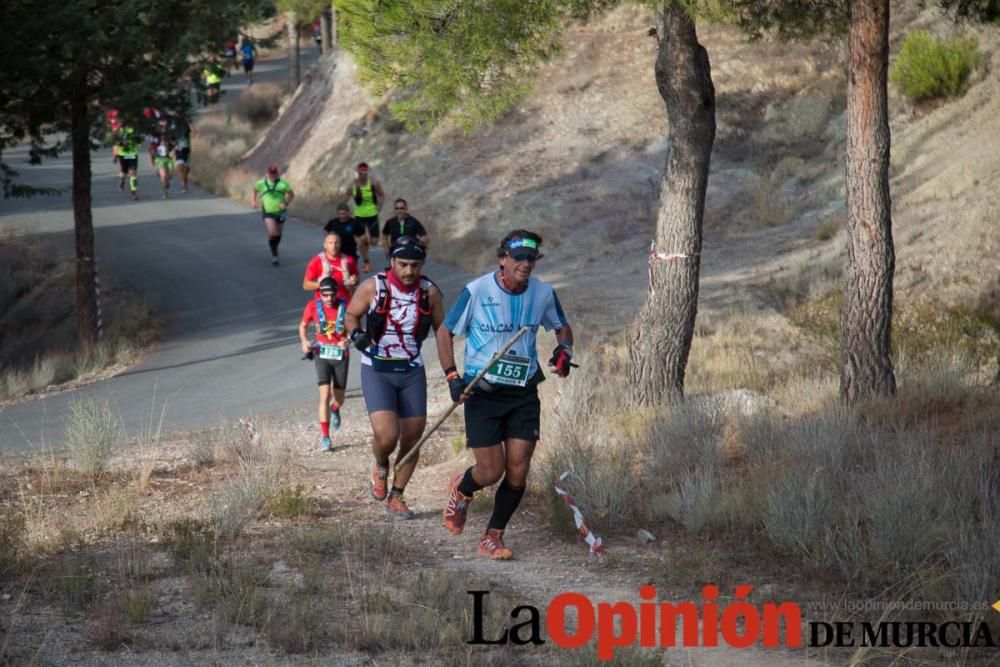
(468, 390)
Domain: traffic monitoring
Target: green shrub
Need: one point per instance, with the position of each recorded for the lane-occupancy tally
(93, 434)
(926, 67)
(289, 503)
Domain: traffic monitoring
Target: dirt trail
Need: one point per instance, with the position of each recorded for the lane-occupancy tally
(545, 564)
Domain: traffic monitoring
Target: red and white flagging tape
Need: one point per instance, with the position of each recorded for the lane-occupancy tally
(97, 295)
(251, 430)
(593, 541)
(655, 256)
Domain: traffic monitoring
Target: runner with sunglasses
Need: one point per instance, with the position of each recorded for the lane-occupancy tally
(503, 413)
(330, 353)
(402, 224)
(400, 307)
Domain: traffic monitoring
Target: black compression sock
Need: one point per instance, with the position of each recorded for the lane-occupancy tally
(468, 485)
(505, 502)
(273, 243)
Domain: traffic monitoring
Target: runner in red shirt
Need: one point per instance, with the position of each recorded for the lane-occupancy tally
(332, 263)
(329, 352)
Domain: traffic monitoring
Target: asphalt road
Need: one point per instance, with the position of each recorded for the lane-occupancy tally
(229, 344)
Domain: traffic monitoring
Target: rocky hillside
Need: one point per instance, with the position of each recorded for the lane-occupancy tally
(581, 160)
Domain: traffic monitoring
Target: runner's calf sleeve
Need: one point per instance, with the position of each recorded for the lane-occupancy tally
(505, 502)
(272, 242)
(468, 486)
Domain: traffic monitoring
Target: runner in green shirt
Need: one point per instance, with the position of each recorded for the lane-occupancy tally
(126, 154)
(273, 194)
(367, 195)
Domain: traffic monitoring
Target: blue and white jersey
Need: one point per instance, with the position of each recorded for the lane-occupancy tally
(489, 316)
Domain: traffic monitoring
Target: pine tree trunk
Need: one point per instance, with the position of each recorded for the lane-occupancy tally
(293, 51)
(326, 37)
(333, 27)
(83, 225)
(867, 318)
(665, 326)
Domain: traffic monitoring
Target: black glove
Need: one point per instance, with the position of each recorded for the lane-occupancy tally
(360, 340)
(561, 360)
(457, 385)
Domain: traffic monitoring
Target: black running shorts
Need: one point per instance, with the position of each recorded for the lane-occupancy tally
(330, 370)
(371, 224)
(402, 393)
(491, 418)
(247, 66)
(128, 163)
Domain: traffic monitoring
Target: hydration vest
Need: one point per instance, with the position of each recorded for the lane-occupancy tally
(359, 194)
(378, 315)
(328, 266)
(338, 326)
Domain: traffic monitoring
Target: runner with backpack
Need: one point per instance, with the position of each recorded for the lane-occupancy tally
(330, 352)
(400, 306)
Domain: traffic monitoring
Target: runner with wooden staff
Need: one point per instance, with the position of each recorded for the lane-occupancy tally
(465, 394)
(502, 412)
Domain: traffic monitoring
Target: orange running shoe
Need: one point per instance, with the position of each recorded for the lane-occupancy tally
(377, 481)
(396, 507)
(457, 507)
(491, 545)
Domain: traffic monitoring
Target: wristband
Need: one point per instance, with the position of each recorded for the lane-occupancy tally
(448, 371)
(452, 376)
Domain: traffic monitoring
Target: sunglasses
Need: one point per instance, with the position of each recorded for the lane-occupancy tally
(400, 208)
(523, 257)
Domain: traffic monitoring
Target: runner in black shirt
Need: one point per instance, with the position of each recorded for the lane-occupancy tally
(402, 224)
(353, 236)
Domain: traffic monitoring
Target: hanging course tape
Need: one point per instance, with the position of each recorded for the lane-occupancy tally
(588, 536)
(251, 430)
(97, 295)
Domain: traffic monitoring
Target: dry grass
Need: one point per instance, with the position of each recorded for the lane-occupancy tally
(755, 352)
(93, 435)
(829, 226)
(769, 206)
(39, 345)
(226, 134)
(879, 495)
(262, 470)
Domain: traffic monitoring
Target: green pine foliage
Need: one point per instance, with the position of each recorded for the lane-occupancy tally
(926, 68)
(464, 62)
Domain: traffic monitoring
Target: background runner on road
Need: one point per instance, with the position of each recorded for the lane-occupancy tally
(401, 306)
(184, 131)
(503, 414)
(353, 235)
(367, 195)
(273, 194)
(331, 262)
(330, 354)
(161, 153)
(212, 74)
(402, 224)
(126, 154)
(249, 54)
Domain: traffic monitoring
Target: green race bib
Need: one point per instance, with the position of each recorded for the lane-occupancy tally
(332, 352)
(509, 370)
